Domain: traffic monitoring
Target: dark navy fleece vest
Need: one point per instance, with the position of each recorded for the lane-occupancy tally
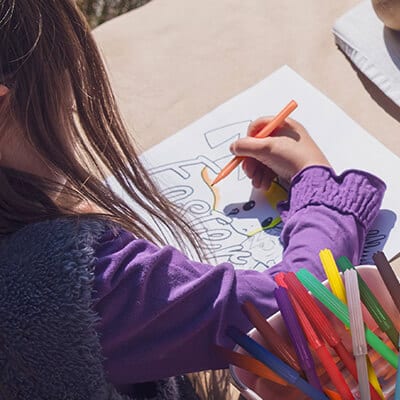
(49, 348)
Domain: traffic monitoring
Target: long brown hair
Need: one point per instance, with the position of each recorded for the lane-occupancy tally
(62, 99)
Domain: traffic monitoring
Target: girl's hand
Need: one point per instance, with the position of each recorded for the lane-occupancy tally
(289, 150)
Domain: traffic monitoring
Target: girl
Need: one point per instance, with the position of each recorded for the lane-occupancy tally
(91, 300)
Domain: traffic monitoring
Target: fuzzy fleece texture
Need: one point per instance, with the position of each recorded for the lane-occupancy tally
(49, 347)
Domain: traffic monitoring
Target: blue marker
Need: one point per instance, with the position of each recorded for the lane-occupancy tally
(274, 363)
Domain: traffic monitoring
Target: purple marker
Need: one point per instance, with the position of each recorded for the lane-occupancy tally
(297, 336)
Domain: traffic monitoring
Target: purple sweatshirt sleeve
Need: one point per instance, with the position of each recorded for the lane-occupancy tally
(161, 313)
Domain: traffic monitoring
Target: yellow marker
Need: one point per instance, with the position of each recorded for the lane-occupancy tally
(333, 275)
(338, 289)
(373, 379)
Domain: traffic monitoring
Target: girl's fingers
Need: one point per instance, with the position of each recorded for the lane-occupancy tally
(267, 180)
(257, 125)
(261, 175)
(267, 176)
(249, 167)
(251, 147)
(257, 178)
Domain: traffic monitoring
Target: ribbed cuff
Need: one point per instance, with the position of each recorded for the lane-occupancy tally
(354, 192)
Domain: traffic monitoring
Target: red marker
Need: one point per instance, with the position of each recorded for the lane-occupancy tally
(318, 345)
(280, 279)
(274, 342)
(323, 326)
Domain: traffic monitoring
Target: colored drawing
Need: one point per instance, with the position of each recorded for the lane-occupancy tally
(241, 226)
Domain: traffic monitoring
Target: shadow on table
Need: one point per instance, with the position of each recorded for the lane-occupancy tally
(392, 43)
(387, 104)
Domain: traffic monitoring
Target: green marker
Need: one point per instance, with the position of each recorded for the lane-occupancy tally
(340, 310)
(371, 303)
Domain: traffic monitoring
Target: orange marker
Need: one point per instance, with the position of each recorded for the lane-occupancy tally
(266, 131)
(250, 364)
(275, 343)
(256, 367)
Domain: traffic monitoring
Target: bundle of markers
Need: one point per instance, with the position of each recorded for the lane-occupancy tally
(313, 336)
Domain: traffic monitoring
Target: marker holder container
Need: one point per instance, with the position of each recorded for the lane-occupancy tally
(255, 388)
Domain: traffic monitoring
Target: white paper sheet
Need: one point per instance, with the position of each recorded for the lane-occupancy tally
(232, 218)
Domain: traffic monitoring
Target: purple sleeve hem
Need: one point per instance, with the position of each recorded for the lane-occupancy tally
(354, 192)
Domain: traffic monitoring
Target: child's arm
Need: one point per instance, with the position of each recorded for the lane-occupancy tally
(327, 211)
(161, 313)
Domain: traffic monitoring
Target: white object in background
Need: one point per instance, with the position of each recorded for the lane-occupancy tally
(373, 48)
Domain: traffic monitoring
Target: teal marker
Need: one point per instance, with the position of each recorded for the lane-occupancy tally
(340, 310)
(372, 304)
(397, 392)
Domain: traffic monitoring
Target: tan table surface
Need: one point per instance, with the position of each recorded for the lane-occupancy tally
(172, 61)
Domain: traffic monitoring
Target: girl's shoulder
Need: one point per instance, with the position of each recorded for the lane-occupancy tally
(46, 270)
(56, 240)
(52, 229)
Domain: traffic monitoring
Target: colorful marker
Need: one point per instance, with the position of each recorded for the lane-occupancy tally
(332, 273)
(323, 325)
(372, 304)
(341, 312)
(257, 368)
(389, 277)
(274, 363)
(357, 332)
(274, 341)
(250, 364)
(397, 392)
(376, 311)
(297, 336)
(318, 345)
